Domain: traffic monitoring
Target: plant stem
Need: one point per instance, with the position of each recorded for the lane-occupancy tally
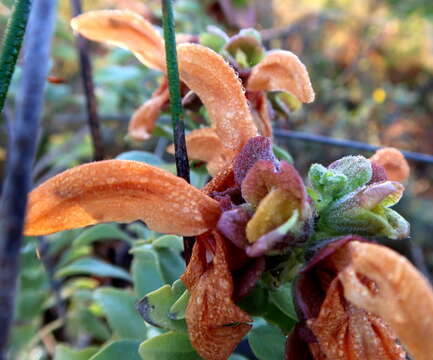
(89, 89)
(182, 164)
(21, 154)
(13, 39)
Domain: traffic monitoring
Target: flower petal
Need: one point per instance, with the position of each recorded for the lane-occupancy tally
(261, 112)
(125, 29)
(263, 177)
(394, 163)
(220, 90)
(404, 299)
(282, 70)
(346, 332)
(123, 191)
(143, 120)
(215, 324)
(205, 145)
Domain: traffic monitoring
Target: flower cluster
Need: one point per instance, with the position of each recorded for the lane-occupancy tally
(256, 223)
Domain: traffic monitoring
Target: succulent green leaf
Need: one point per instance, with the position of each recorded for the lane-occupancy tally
(282, 298)
(168, 346)
(93, 266)
(267, 342)
(177, 311)
(123, 349)
(282, 154)
(64, 352)
(142, 156)
(119, 307)
(101, 232)
(156, 306)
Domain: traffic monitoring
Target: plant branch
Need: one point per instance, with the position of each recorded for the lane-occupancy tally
(325, 140)
(21, 154)
(89, 89)
(13, 39)
(182, 164)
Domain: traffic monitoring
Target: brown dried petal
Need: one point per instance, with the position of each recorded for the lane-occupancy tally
(143, 120)
(404, 299)
(215, 324)
(216, 84)
(394, 163)
(122, 191)
(125, 29)
(205, 145)
(346, 332)
(282, 70)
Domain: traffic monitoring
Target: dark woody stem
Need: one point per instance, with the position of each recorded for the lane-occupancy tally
(89, 89)
(182, 164)
(12, 41)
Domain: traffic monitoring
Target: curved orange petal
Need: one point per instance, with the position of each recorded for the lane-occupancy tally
(143, 120)
(205, 145)
(208, 75)
(261, 112)
(125, 29)
(394, 163)
(122, 191)
(344, 331)
(215, 324)
(404, 298)
(282, 70)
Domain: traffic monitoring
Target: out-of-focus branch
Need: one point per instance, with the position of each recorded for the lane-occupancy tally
(325, 140)
(89, 89)
(21, 154)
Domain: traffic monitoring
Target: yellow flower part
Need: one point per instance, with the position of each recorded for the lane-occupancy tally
(379, 95)
(272, 212)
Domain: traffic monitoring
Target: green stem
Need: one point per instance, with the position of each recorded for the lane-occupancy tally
(13, 39)
(182, 164)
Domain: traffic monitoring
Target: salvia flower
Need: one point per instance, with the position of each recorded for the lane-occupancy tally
(353, 195)
(341, 296)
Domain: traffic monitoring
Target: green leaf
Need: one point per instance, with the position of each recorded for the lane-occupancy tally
(267, 342)
(64, 352)
(120, 308)
(93, 266)
(282, 154)
(168, 346)
(283, 299)
(101, 232)
(145, 270)
(142, 156)
(155, 307)
(124, 349)
(177, 311)
(92, 324)
(171, 264)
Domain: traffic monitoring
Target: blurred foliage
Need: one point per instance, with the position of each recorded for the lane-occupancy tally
(371, 64)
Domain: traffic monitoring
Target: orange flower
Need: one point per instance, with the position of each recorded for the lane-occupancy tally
(393, 162)
(355, 299)
(279, 71)
(124, 191)
(127, 29)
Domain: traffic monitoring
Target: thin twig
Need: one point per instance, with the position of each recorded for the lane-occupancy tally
(325, 140)
(89, 89)
(47, 262)
(182, 164)
(22, 149)
(13, 39)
